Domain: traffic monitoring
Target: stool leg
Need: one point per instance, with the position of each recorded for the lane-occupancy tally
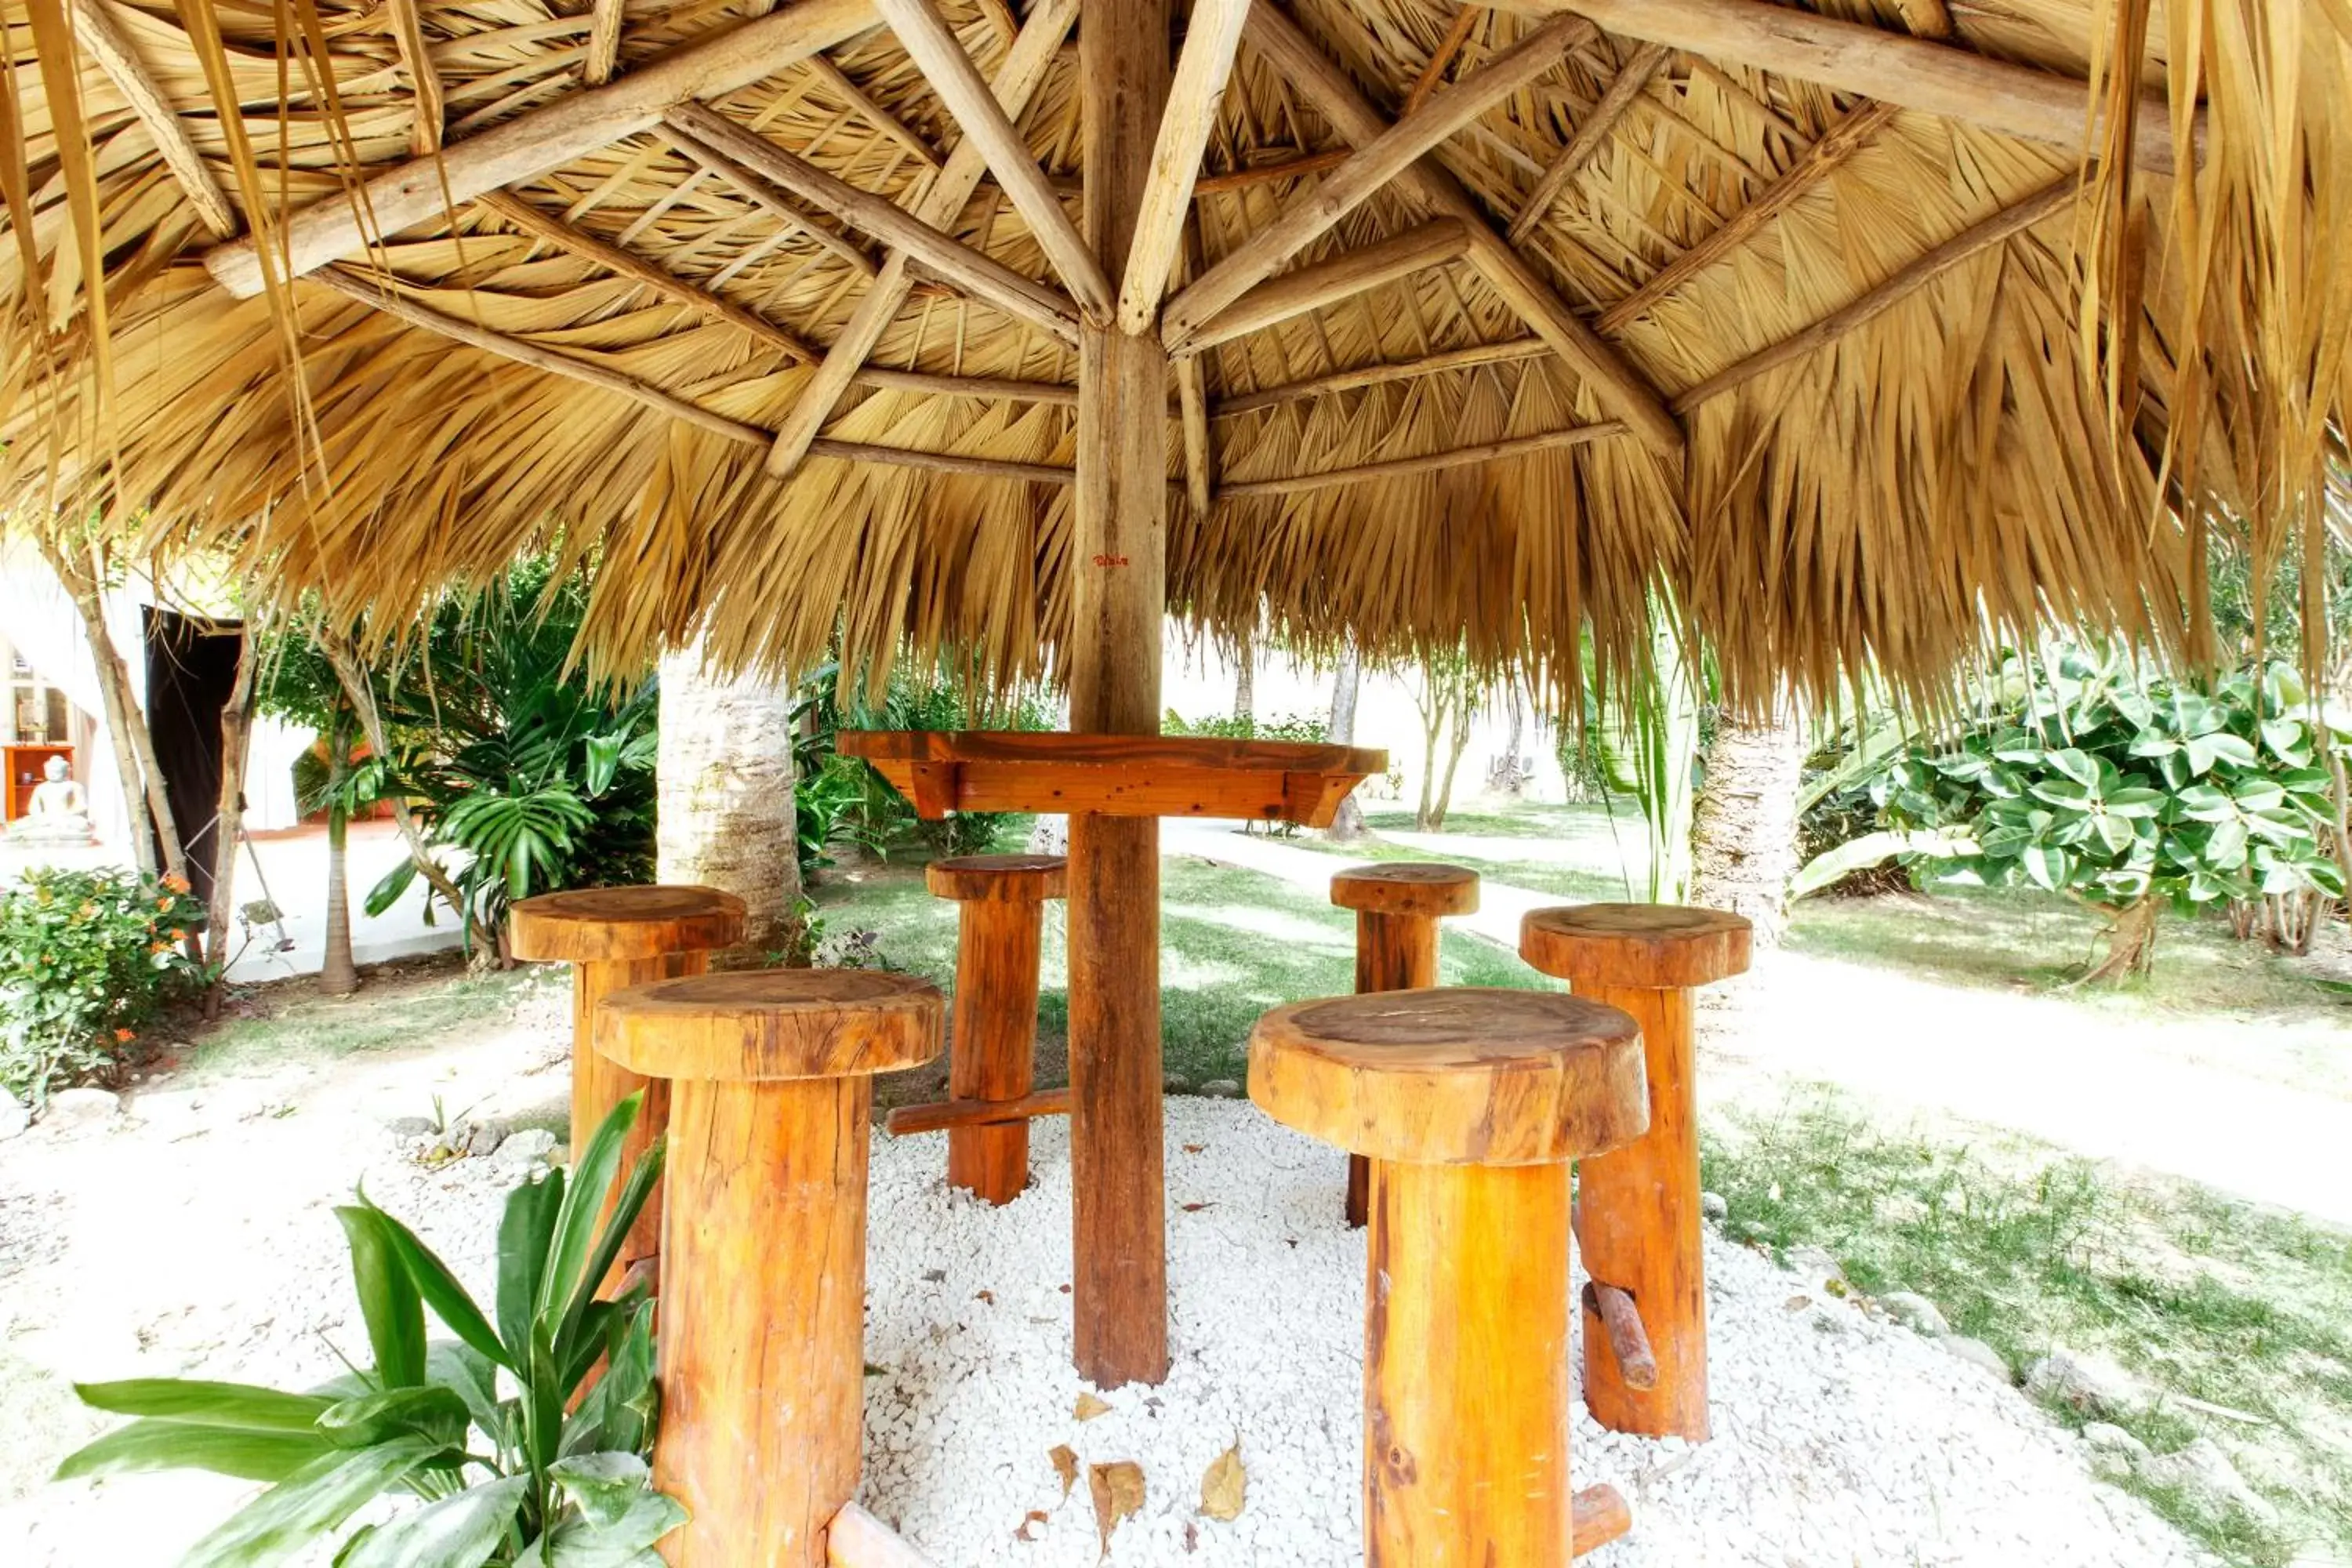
(1640, 1227)
(599, 1083)
(764, 1304)
(993, 1054)
(1467, 1383)
(1393, 953)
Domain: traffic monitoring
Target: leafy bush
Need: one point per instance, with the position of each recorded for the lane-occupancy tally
(559, 1475)
(1306, 729)
(2078, 778)
(88, 959)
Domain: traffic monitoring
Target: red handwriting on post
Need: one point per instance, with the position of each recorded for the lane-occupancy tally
(1110, 560)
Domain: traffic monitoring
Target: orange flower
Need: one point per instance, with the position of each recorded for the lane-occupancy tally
(177, 884)
(160, 903)
(159, 947)
(124, 1037)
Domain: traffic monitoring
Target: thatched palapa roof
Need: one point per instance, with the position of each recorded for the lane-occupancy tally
(1849, 327)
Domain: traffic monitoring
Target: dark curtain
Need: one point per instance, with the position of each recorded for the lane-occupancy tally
(190, 668)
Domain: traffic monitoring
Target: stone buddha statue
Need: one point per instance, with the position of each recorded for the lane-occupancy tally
(59, 812)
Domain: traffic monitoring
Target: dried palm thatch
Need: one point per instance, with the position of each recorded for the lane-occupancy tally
(1867, 333)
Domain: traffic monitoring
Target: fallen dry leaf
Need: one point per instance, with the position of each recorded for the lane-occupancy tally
(1224, 1486)
(1119, 1494)
(987, 1296)
(1066, 1464)
(1035, 1517)
(1089, 1407)
(1193, 1208)
(1194, 1148)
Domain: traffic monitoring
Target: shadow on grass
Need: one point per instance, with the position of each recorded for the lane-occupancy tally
(395, 1007)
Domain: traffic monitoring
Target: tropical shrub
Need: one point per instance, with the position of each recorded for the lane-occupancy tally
(87, 961)
(1304, 727)
(546, 1474)
(2079, 778)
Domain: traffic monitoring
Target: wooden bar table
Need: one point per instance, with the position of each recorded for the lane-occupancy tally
(763, 1240)
(615, 937)
(1473, 1103)
(1638, 1219)
(1398, 904)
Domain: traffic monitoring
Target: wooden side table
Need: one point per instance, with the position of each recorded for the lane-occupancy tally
(763, 1240)
(1472, 1103)
(1398, 905)
(1638, 1218)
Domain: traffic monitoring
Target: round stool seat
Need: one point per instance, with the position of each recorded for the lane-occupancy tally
(593, 925)
(772, 1024)
(1407, 887)
(998, 878)
(1461, 1076)
(1660, 946)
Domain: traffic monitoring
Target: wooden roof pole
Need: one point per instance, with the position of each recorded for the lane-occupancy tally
(858, 98)
(1622, 389)
(1395, 149)
(1118, 1253)
(97, 33)
(729, 172)
(1024, 69)
(1618, 101)
(933, 46)
(1192, 98)
(1427, 463)
(1305, 288)
(1380, 374)
(530, 144)
(1908, 72)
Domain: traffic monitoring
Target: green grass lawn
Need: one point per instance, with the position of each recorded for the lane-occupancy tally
(396, 1005)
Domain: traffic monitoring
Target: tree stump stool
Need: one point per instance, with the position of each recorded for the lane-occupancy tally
(763, 1240)
(1638, 1221)
(615, 937)
(1397, 906)
(1472, 1103)
(993, 1048)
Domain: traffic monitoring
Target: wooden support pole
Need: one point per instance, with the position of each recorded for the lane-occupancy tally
(1636, 74)
(96, 32)
(1118, 599)
(1336, 278)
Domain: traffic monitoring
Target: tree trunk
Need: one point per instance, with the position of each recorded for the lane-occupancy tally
(1456, 744)
(2131, 942)
(1245, 678)
(1348, 823)
(1744, 832)
(338, 975)
(725, 781)
(228, 820)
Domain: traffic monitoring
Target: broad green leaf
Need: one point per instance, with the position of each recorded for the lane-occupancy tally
(2204, 803)
(239, 1405)
(577, 1543)
(2076, 765)
(575, 1223)
(248, 1454)
(2115, 832)
(523, 1237)
(389, 1303)
(390, 888)
(2047, 868)
(2065, 793)
(2221, 746)
(634, 1196)
(2257, 794)
(309, 1503)
(459, 1531)
(469, 1374)
(605, 1486)
(2226, 850)
(2134, 801)
(429, 1411)
(442, 1292)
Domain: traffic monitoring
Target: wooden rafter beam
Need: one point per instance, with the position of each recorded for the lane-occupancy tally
(946, 256)
(623, 263)
(1340, 277)
(749, 184)
(1429, 463)
(1395, 149)
(1200, 452)
(603, 42)
(2056, 197)
(427, 112)
(1287, 169)
(1622, 389)
(96, 32)
(1908, 72)
(1061, 394)
(1625, 91)
(1024, 69)
(1382, 374)
(933, 46)
(1441, 59)
(1850, 136)
(1193, 94)
(532, 144)
(865, 102)
(942, 462)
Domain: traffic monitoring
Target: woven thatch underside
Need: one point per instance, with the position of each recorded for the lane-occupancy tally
(1943, 467)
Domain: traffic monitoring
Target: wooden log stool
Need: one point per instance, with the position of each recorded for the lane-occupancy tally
(1397, 906)
(1638, 1220)
(993, 1048)
(615, 937)
(1472, 1103)
(763, 1240)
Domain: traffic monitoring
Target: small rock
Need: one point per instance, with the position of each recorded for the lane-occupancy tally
(1713, 1206)
(2105, 1437)
(2088, 1384)
(486, 1137)
(1977, 1353)
(410, 1127)
(1176, 1083)
(13, 1117)
(1917, 1312)
(2203, 1475)
(529, 1144)
(1820, 1269)
(1222, 1088)
(75, 1108)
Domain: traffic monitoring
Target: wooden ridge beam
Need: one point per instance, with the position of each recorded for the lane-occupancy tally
(865, 102)
(1427, 463)
(1380, 374)
(1908, 72)
(1623, 91)
(1623, 391)
(939, 462)
(2051, 200)
(1193, 94)
(1287, 169)
(1017, 78)
(732, 173)
(96, 32)
(1340, 277)
(1840, 142)
(427, 112)
(946, 256)
(1394, 149)
(933, 46)
(530, 144)
(368, 291)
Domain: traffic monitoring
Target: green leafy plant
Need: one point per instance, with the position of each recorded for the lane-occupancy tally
(88, 960)
(2077, 777)
(552, 1474)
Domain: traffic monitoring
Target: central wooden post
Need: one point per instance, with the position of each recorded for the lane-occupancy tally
(1118, 1241)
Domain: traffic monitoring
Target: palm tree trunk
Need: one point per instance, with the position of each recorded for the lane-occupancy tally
(1744, 833)
(724, 782)
(338, 974)
(228, 820)
(1245, 678)
(1348, 823)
